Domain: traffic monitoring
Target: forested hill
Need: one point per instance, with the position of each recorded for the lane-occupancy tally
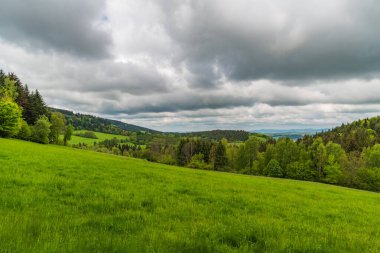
(230, 135)
(353, 137)
(93, 123)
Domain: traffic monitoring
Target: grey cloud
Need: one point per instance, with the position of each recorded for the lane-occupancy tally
(178, 102)
(287, 40)
(174, 63)
(66, 26)
(125, 78)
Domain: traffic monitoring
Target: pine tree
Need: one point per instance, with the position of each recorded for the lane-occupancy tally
(221, 159)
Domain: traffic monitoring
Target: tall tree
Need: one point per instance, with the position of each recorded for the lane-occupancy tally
(68, 133)
(57, 127)
(41, 130)
(221, 159)
(319, 157)
(37, 107)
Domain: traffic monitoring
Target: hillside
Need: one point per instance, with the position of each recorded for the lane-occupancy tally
(353, 136)
(293, 134)
(93, 123)
(59, 199)
(75, 139)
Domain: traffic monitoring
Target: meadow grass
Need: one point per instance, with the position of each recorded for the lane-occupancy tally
(101, 137)
(59, 199)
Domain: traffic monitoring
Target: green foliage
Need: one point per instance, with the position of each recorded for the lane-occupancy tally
(25, 132)
(371, 156)
(318, 155)
(333, 172)
(300, 170)
(242, 160)
(197, 162)
(353, 137)
(221, 159)
(57, 199)
(78, 138)
(251, 150)
(68, 133)
(274, 169)
(57, 126)
(217, 135)
(87, 134)
(369, 179)
(97, 124)
(41, 130)
(31, 103)
(10, 118)
(8, 89)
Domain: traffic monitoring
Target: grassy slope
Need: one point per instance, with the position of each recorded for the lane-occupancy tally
(57, 199)
(101, 137)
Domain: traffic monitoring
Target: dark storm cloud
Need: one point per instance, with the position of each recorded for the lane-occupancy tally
(277, 40)
(69, 26)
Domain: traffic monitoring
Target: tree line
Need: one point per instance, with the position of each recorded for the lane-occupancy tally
(319, 161)
(24, 114)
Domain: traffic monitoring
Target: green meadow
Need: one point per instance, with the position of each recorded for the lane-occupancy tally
(60, 199)
(101, 137)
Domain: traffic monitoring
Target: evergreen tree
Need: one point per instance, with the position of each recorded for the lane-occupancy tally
(37, 107)
(221, 159)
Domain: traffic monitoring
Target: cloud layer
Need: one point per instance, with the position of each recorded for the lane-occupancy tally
(192, 65)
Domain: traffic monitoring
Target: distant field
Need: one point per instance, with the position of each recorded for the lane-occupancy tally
(59, 199)
(101, 137)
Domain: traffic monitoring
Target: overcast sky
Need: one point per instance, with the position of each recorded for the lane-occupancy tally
(182, 65)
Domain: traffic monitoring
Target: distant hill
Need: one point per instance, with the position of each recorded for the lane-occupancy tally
(93, 123)
(230, 135)
(293, 134)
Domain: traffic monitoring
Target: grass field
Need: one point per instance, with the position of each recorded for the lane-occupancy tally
(101, 137)
(59, 199)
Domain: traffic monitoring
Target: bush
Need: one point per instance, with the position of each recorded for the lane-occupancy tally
(197, 162)
(25, 131)
(41, 130)
(274, 169)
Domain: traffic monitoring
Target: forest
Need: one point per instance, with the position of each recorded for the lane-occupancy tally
(348, 155)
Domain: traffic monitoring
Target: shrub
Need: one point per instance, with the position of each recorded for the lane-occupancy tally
(274, 169)
(25, 131)
(41, 130)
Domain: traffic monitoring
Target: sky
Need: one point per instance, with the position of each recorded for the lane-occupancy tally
(189, 65)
